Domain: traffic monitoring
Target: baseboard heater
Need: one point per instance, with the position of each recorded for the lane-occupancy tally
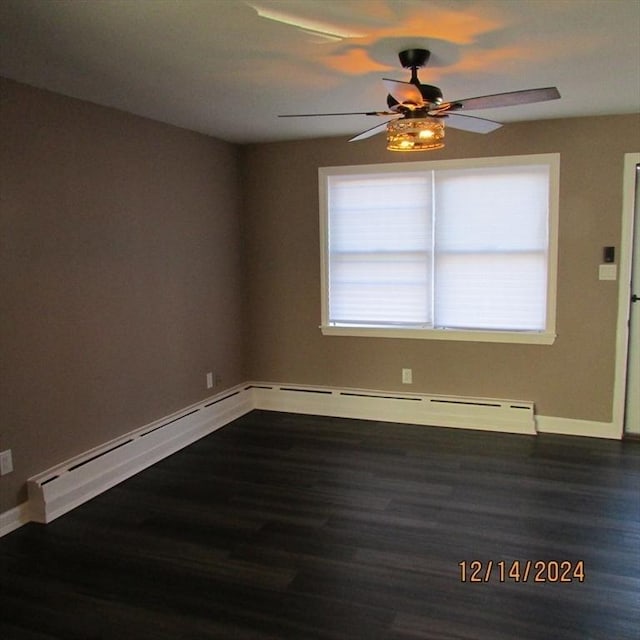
(68, 485)
(61, 488)
(510, 416)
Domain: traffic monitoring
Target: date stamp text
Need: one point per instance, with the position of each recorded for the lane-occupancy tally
(522, 571)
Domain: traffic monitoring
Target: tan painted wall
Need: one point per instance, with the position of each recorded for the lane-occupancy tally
(121, 282)
(136, 256)
(572, 378)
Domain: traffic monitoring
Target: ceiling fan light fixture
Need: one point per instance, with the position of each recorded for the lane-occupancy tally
(415, 134)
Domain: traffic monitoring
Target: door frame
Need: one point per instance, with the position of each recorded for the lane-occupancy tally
(631, 160)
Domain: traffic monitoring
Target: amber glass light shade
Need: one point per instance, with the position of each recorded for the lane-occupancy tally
(415, 134)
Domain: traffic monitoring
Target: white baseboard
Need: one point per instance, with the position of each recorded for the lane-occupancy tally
(60, 489)
(573, 427)
(14, 518)
(508, 416)
(437, 411)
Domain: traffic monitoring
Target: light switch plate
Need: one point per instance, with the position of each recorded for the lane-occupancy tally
(608, 272)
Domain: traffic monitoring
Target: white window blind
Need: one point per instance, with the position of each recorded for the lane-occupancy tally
(444, 248)
(380, 243)
(491, 247)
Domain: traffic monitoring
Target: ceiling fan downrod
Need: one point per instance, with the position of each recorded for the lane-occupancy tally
(414, 59)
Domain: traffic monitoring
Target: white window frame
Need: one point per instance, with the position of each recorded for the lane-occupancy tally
(546, 336)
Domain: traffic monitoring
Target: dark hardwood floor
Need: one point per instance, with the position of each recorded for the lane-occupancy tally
(305, 528)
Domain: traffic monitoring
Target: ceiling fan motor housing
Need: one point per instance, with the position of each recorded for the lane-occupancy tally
(431, 95)
(415, 59)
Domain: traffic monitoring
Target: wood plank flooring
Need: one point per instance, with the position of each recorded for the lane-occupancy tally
(297, 527)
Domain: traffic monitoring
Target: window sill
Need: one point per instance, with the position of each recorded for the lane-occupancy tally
(513, 337)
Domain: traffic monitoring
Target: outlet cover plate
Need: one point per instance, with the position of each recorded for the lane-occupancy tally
(6, 462)
(607, 272)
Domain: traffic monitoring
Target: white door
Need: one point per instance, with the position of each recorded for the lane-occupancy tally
(632, 413)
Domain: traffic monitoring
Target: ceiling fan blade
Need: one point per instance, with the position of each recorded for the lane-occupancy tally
(509, 99)
(379, 128)
(349, 113)
(403, 92)
(471, 123)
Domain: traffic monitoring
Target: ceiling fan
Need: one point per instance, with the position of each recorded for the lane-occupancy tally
(419, 112)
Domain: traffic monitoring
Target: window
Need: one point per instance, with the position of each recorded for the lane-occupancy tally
(459, 249)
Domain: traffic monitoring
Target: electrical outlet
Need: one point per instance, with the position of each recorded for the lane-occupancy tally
(407, 376)
(6, 462)
(217, 381)
(210, 380)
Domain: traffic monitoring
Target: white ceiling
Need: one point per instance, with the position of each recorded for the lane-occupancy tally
(229, 67)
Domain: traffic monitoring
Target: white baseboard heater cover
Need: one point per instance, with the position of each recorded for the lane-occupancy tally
(61, 488)
(509, 416)
(68, 485)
